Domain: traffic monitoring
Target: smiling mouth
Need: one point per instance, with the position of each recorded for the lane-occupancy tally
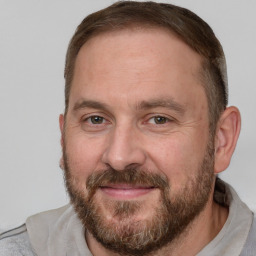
(126, 191)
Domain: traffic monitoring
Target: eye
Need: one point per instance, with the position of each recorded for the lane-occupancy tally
(159, 120)
(95, 123)
(96, 120)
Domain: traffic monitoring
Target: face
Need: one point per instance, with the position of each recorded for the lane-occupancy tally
(136, 148)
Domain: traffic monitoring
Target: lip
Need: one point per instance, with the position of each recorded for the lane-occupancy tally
(126, 191)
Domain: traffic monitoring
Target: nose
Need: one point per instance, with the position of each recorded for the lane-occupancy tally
(124, 149)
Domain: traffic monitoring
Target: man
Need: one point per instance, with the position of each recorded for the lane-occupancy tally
(145, 132)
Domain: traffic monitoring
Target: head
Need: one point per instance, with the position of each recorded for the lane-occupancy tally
(145, 127)
(186, 25)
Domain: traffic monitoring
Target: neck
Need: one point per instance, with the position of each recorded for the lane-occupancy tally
(197, 235)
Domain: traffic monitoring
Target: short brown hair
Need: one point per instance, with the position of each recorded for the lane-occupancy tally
(185, 24)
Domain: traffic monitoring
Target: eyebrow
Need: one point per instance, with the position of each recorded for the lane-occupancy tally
(168, 103)
(89, 104)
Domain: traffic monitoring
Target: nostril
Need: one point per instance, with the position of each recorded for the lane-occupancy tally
(132, 166)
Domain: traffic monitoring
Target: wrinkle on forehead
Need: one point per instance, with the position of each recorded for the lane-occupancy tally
(145, 42)
(131, 66)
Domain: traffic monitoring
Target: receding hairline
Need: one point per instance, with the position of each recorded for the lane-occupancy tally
(136, 26)
(199, 73)
(179, 21)
(141, 27)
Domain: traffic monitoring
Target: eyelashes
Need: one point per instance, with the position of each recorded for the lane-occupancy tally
(159, 120)
(99, 122)
(95, 120)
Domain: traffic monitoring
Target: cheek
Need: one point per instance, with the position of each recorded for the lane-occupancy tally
(84, 156)
(179, 158)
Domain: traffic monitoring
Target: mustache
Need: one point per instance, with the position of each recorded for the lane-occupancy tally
(131, 176)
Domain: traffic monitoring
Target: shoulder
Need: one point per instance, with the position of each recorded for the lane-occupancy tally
(15, 242)
(250, 245)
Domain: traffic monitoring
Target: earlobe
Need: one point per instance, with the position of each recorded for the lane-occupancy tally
(227, 134)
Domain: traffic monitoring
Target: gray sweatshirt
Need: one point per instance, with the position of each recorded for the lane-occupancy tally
(60, 233)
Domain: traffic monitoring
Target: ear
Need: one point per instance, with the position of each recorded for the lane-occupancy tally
(227, 134)
(61, 125)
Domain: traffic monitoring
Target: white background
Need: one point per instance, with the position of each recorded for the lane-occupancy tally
(34, 35)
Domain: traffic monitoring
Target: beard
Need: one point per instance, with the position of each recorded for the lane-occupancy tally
(124, 234)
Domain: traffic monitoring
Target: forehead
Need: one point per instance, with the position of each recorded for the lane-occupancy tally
(136, 42)
(136, 62)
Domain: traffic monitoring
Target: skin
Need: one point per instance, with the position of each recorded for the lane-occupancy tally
(128, 78)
